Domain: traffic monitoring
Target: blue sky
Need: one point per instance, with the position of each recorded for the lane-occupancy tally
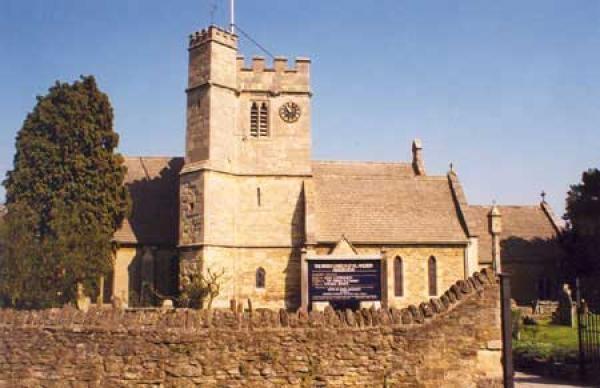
(509, 91)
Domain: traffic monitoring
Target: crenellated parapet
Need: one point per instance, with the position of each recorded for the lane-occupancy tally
(213, 34)
(275, 79)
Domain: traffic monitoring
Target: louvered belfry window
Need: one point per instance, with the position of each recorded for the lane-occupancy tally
(254, 120)
(398, 277)
(432, 276)
(264, 120)
(259, 119)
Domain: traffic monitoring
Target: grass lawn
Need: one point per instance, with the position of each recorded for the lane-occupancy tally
(546, 341)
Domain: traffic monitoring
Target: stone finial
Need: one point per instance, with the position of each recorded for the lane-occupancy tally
(495, 218)
(495, 225)
(417, 162)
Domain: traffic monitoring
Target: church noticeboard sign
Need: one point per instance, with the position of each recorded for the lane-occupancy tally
(343, 280)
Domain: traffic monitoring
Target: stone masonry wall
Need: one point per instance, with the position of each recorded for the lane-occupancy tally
(453, 341)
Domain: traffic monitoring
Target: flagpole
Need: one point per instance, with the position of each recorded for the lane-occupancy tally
(232, 16)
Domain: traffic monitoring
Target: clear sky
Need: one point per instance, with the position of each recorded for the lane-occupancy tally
(509, 91)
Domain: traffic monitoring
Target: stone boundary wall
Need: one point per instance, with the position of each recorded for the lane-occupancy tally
(451, 341)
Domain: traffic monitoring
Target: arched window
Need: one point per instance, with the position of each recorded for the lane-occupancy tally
(260, 277)
(398, 277)
(432, 276)
(254, 120)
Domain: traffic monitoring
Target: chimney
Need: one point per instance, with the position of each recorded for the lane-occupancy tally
(417, 162)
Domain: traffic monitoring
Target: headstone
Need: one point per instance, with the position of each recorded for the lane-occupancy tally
(319, 306)
(118, 303)
(370, 304)
(83, 301)
(566, 312)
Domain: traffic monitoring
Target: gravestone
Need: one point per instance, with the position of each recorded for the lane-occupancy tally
(566, 312)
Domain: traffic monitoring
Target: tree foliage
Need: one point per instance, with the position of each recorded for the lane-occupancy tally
(582, 237)
(65, 196)
(202, 289)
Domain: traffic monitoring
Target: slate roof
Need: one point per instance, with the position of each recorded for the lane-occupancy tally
(153, 184)
(526, 233)
(370, 202)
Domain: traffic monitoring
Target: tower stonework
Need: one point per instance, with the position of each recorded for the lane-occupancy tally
(242, 188)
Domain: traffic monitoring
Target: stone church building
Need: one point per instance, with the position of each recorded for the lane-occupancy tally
(248, 199)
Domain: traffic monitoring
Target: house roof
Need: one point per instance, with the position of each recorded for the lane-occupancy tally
(371, 202)
(153, 184)
(526, 232)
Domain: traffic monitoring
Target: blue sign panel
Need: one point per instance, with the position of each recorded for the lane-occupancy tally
(344, 280)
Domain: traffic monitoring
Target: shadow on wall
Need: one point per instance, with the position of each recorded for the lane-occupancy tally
(534, 266)
(153, 275)
(154, 215)
(154, 221)
(293, 268)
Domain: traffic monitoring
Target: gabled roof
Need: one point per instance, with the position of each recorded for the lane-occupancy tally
(527, 232)
(371, 202)
(153, 184)
(344, 247)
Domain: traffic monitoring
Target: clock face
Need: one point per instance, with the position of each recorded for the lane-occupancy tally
(289, 112)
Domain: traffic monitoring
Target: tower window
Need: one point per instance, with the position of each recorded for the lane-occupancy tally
(264, 120)
(260, 278)
(259, 119)
(254, 120)
(398, 277)
(432, 276)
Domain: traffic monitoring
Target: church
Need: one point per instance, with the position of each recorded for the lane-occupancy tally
(247, 199)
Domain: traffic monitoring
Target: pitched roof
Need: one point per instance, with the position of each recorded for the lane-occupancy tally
(153, 184)
(526, 232)
(372, 202)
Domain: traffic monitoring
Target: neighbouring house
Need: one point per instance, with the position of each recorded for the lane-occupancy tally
(529, 250)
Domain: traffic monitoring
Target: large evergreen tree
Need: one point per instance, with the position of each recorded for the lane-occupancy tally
(67, 179)
(582, 238)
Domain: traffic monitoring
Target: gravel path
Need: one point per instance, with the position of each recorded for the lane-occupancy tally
(523, 380)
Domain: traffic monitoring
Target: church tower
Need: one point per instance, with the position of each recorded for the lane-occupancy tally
(247, 162)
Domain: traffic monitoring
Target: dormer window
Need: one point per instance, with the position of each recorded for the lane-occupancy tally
(259, 119)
